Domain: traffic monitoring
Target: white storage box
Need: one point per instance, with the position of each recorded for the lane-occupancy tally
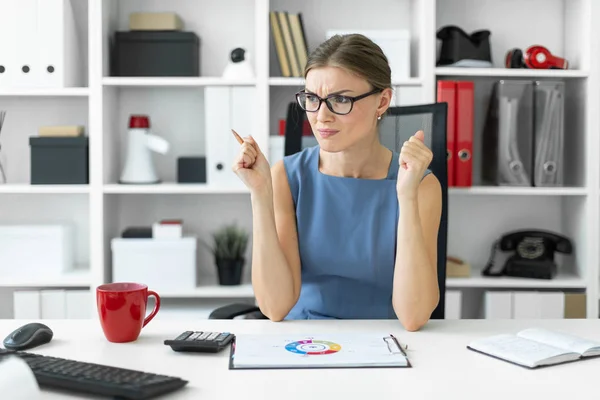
(38, 251)
(395, 43)
(163, 265)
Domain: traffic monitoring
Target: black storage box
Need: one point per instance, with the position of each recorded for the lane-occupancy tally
(59, 160)
(156, 53)
(191, 169)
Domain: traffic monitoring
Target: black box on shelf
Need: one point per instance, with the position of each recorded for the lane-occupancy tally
(191, 170)
(156, 53)
(59, 160)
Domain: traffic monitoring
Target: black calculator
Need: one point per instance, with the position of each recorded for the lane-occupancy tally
(198, 341)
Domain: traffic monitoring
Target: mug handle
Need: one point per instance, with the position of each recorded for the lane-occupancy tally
(156, 307)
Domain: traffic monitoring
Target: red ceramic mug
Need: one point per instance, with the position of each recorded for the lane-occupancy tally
(122, 310)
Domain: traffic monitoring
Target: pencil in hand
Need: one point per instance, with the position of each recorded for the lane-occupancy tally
(238, 137)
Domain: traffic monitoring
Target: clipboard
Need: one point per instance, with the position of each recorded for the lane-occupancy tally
(319, 352)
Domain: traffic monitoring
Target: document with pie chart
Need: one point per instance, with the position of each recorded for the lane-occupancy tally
(368, 350)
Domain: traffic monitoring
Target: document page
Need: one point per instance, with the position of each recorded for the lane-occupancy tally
(327, 350)
(521, 350)
(563, 340)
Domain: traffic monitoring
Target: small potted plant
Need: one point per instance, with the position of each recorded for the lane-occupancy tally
(229, 248)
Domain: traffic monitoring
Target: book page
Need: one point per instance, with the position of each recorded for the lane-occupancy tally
(522, 351)
(563, 340)
(326, 350)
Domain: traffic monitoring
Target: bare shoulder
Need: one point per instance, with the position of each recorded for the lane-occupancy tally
(278, 170)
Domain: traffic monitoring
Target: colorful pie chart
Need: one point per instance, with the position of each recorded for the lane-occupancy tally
(312, 347)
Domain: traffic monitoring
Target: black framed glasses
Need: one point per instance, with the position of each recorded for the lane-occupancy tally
(337, 103)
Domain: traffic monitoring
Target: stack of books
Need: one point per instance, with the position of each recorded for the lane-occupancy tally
(290, 42)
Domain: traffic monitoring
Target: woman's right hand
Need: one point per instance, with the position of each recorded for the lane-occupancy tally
(252, 167)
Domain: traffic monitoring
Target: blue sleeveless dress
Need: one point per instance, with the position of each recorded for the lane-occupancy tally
(347, 230)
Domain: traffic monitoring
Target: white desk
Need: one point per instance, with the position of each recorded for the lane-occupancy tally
(442, 366)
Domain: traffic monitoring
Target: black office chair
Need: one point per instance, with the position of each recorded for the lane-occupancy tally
(397, 125)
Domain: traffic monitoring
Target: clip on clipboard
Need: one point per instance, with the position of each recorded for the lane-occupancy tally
(394, 345)
(285, 351)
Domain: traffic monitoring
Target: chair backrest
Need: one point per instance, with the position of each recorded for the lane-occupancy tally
(398, 125)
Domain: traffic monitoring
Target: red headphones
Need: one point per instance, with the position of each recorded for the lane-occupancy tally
(535, 57)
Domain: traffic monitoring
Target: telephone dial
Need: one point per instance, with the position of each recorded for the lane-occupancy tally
(532, 254)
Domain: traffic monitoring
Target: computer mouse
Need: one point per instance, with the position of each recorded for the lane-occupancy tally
(28, 336)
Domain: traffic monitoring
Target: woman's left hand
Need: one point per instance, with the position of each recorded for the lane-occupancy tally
(414, 159)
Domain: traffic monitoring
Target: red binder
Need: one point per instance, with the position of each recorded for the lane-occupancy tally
(446, 93)
(306, 129)
(464, 133)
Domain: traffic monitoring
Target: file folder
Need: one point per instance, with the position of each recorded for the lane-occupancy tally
(524, 134)
(226, 108)
(58, 53)
(446, 93)
(507, 144)
(464, 133)
(40, 44)
(8, 73)
(459, 95)
(549, 133)
(23, 64)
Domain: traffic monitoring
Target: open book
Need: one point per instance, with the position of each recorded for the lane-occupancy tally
(353, 350)
(533, 348)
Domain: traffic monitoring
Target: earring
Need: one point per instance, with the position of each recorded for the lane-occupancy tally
(379, 117)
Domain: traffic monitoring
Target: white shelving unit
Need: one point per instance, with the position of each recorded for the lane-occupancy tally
(477, 215)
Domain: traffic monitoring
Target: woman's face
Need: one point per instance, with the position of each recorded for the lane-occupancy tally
(335, 132)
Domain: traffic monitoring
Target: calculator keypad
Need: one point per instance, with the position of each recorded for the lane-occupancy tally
(206, 336)
(200, 341)
(184, 335)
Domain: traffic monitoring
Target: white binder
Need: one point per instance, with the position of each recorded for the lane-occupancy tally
(79, 304)
(22, 65)
(53, 304)
(226, 108)
(41, 42)
(453, 304)
(26, 304)
(498, 304)
(7, 44)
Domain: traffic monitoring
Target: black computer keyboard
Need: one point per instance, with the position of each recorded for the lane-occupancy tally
(96, 379)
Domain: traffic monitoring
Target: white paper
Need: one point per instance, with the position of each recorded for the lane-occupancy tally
(324, 350)
(17, 379)
(562, 340)
(521, 350)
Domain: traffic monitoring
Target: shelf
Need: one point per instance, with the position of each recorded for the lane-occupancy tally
(44, 92)
(174, 81)
(25, 188)
(77, 278)
(282, 81)
(172, 188)
(478, 281)
(518, 191)
(213, 291)
(508, 73)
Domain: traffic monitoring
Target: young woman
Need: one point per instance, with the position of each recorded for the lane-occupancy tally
(346, 229)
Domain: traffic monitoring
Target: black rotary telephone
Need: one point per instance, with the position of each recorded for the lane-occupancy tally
(533, 254)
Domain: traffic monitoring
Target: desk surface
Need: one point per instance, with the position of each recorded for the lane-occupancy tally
(442, 366)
